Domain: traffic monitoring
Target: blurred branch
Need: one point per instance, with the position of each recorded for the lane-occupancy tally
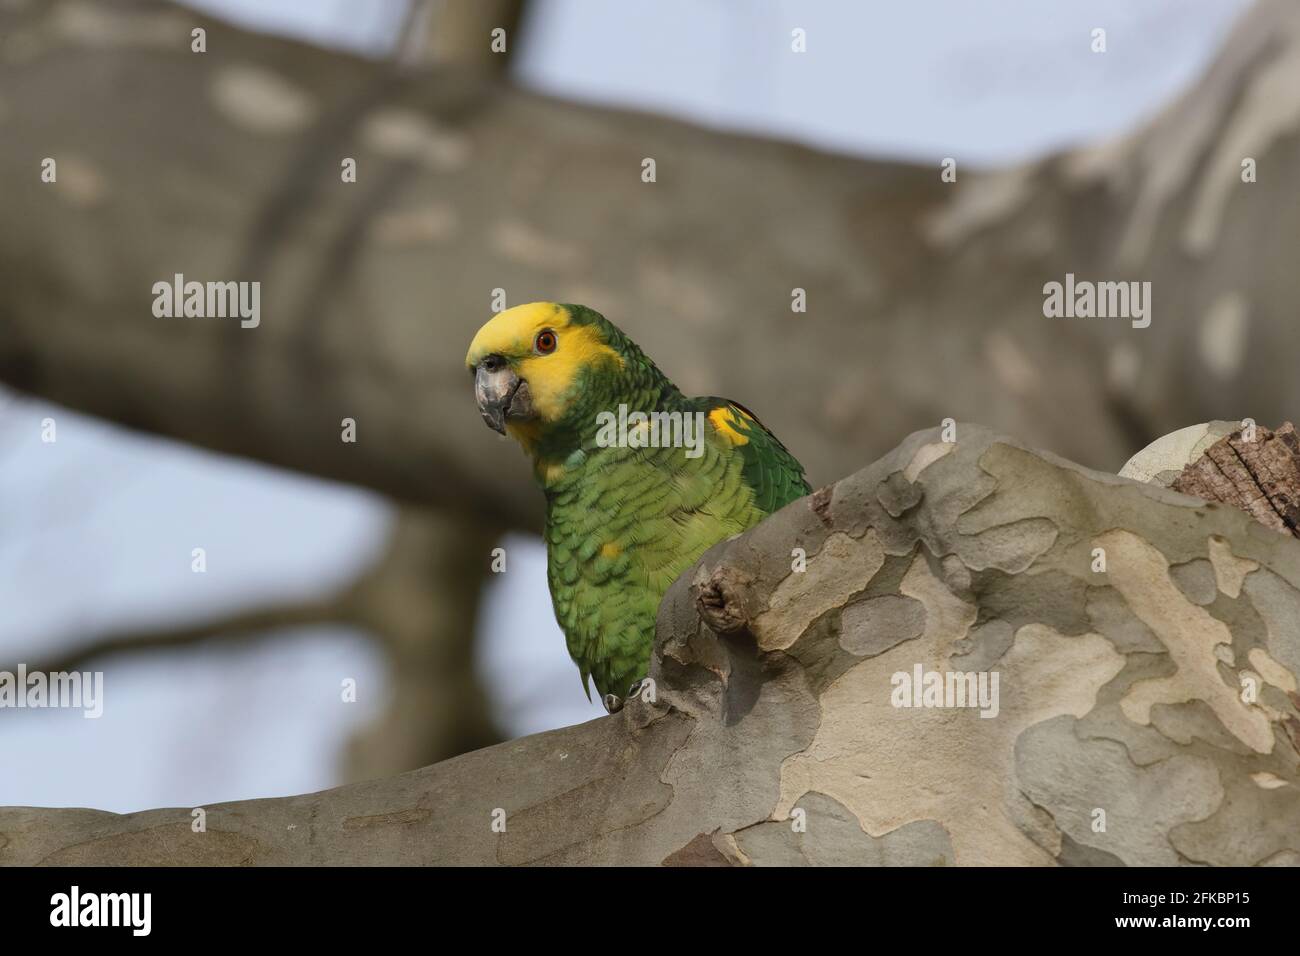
(925, 298)
(423, 599)
(459, 32)
(419, 601)
(237, 628)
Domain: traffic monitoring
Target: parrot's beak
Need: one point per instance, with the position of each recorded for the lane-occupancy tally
(501, 394)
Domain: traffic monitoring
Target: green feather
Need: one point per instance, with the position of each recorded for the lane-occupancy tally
(623, 523)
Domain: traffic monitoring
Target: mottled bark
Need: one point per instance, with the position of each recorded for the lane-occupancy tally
(1146, 712)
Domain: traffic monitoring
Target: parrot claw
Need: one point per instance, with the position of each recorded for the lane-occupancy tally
(613, 703)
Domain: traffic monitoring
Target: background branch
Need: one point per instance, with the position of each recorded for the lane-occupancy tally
(371, 290)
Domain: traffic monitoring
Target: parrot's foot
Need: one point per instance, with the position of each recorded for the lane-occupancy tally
(613, 703)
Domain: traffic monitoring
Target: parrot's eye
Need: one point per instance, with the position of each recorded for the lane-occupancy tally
(545, 342)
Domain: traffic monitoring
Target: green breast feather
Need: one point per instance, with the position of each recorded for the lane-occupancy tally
(623, 523)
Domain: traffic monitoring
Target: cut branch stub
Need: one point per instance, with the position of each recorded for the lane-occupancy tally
(1261, 477)
(720, 601)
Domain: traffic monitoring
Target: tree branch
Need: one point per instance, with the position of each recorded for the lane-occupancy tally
(231, 629)
(1119, 731)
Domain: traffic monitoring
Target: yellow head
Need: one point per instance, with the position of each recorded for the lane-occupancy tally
(530, 364)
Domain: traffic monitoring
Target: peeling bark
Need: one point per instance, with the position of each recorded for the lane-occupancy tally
(1259, 476)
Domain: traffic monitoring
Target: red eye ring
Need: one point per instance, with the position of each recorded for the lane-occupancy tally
(545, 342)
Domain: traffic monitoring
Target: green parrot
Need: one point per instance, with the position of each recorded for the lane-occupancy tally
(634, 493)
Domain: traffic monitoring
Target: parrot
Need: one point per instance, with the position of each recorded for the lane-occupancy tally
(629, 507)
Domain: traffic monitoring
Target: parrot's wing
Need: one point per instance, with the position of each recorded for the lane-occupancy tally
(769, 469)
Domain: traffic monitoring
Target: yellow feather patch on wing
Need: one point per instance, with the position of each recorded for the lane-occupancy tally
(725, 419)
